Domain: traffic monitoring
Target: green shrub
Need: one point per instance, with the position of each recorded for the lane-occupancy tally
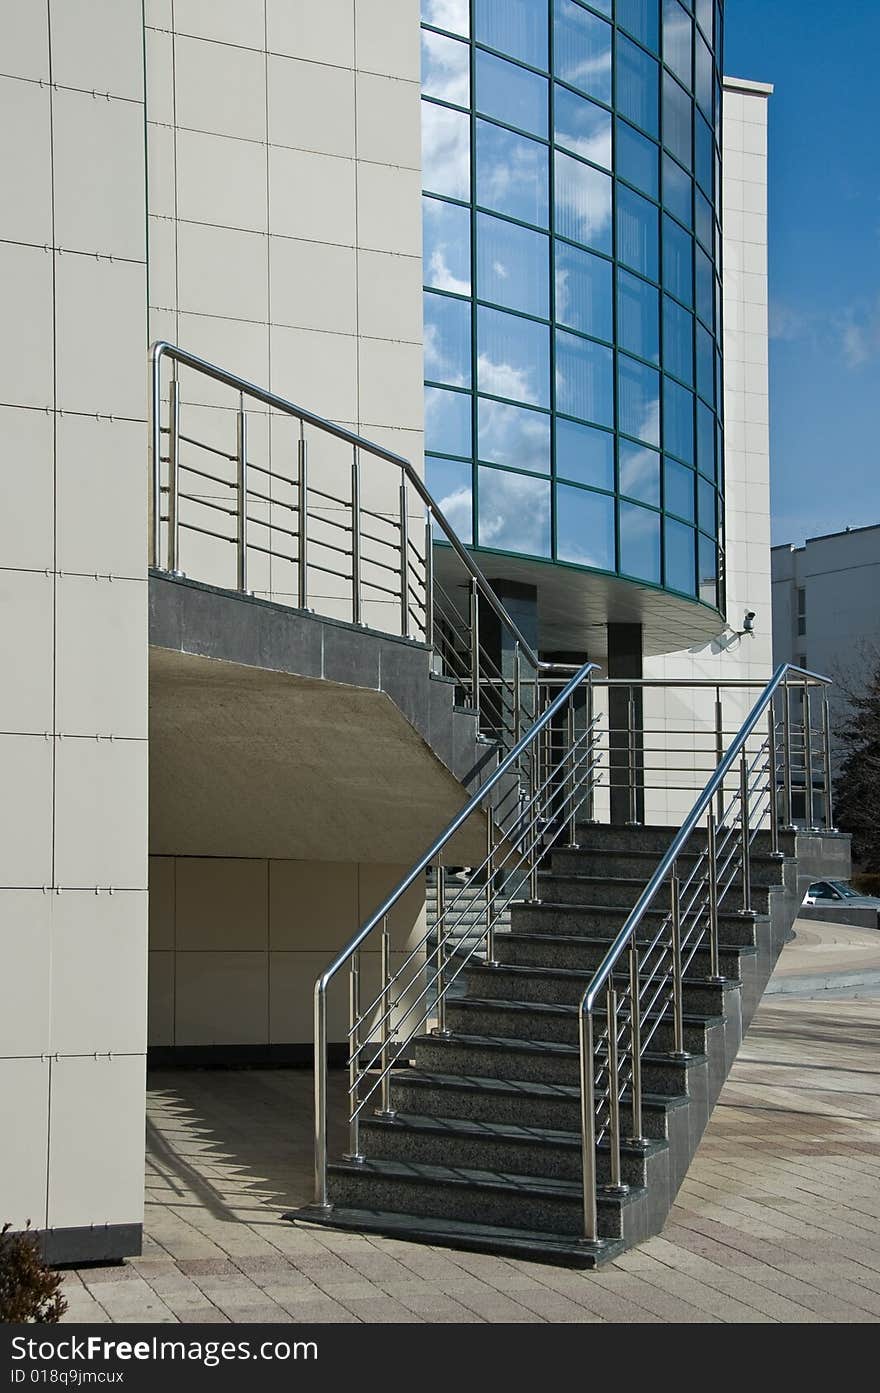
(29, 1290)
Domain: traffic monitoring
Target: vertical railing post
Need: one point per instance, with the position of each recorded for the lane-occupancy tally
(591, 746)
(302, 520)
(588, 1125)
(355, 536)
(786, 755)
(404, 561)
(242, 492)
(354, 1046)
(712, 866)
(386, 1109)
(635, 1040)
(826, 761)
(533, 824)
(571, 780)
(441, 950)
(429, 578)
(719, 751)
(475, 644)
(321, 1199)
(615, 1185)
(808, 756)
(631, 754)
(677, 985)
(517, 693)
(173, 476)
(156, 458)
(772, 757)
(490, 887)
(745, 832)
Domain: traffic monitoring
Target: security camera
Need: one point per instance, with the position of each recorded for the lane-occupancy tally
(749, 622)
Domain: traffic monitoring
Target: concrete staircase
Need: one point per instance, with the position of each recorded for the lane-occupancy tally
(482, 1150)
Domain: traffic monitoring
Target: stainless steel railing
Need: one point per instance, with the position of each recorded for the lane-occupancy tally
(529, 805)
(255, 493)
(707, 870)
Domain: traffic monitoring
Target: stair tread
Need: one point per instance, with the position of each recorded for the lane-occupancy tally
(577, 907)
(559, 974)
(509, 1182)
(509, 1042)
(648, 854)
(554, 1008)
(502, 1131)
(596, 940)
(462, 1233)
(477, 1083)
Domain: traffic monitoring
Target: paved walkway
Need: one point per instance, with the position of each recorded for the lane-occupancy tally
(778, 1219)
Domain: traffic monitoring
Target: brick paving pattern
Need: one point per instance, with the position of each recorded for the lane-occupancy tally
(778, 1219)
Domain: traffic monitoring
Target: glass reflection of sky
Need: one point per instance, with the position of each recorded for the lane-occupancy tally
(447, 340)
(513, 357)
(511, 93)
(582, 49)
(513, 436)
(584, 298)
(640, 542)
(451, 484)
(513, 266)
(512, 174)
(446, 246)
(585, 528)
(582, 126)
(448, 422)
(446, 68)
(514, 512)
(446, 151)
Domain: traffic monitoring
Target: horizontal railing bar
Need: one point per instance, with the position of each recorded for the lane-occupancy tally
(202, 502)
(212, 449)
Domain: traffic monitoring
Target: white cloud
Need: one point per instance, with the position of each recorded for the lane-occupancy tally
(446, 14)
(441, 276)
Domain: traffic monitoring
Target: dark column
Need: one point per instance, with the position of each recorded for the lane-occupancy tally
(625, 660)
(497, 642)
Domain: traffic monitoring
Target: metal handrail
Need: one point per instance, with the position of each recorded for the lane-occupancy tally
(523, 748)
(163, 349)
(625, 941)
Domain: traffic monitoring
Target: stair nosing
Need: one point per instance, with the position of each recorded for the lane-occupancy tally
(474, 1177)
(516, 1088)
(443, 1125)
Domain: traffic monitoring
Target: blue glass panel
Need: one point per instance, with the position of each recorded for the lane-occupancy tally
(708, 575)
(451, 484)
(677, 34)
(582, 49)
(678, 262)
(705, 280)
(584, 292)
(677, 110)
(639, 543)
(514, 512)
(638, 407)
(681, 557)
(703, 76)
(584, 379)
(704, 17)
(585, 528)
(704, 155)
(453, 15)
(637, 86)
(706, 506)
(448, 422)
(511, 93)
(513, 266)
(704, 222)
(582, 126)
(446, 151)
(642, 19)
(639, 472)
(705, 440)
(517, 27)
(637, 159)
(446, 237)
(446, 69)
(513, 435)
(705, 365)
(513, 357)
(583, 203)
(678, 421)
(677, 191)
(638, 316)
(638, 233)
(719, 447)
(447, 340)
(512, 174)
(679, 486)
(678, 341)
(584, 454)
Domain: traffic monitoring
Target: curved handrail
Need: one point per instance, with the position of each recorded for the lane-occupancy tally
(163, 349)
(606, 967)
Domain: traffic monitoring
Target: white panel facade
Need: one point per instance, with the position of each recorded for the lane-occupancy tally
(73, 613)
(732, 655)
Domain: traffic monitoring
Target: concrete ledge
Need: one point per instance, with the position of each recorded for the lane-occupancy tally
(94, 1243)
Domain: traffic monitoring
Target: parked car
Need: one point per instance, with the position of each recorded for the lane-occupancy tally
(826, 892)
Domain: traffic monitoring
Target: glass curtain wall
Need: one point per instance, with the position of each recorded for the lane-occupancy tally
(572, 175)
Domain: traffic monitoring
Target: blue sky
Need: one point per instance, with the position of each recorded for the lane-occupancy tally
(824, 253)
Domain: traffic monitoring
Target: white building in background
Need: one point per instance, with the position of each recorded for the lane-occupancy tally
(245, 180)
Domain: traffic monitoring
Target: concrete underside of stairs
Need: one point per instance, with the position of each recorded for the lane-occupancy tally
(276, 733)
(484, 1149)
